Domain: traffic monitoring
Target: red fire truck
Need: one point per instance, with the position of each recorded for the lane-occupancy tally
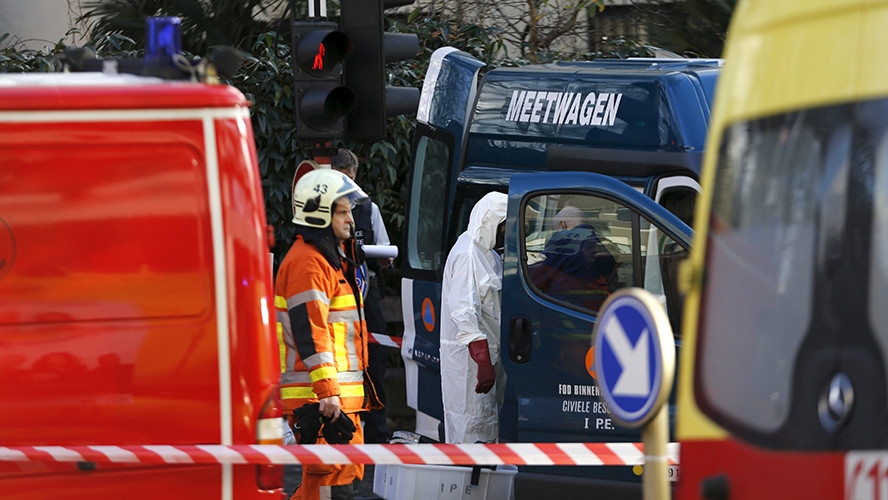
(135, 284)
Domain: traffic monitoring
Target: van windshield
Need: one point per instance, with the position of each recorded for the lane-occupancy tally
(796, 269)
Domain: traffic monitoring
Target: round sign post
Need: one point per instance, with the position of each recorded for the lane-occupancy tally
(635, 364)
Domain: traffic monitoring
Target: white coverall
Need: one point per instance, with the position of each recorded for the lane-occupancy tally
(470, 311)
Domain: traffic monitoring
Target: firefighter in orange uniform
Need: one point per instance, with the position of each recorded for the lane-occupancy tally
(321, 329)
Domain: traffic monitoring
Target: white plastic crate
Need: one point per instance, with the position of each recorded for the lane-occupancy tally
(442, 482)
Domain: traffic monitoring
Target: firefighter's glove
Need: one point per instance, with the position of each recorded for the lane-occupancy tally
(308, 423)
(486, 375)
(339, 430)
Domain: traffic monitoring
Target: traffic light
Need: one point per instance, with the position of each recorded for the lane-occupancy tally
(321, 101)
(364, 71)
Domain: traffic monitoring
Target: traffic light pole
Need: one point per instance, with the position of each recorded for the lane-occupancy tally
(317, 9)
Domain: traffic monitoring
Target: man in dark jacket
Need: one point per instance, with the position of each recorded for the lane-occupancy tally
(370, 230)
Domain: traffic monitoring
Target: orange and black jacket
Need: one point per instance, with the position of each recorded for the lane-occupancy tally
(320, 330)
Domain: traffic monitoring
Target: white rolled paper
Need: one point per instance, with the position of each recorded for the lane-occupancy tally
(380, 251)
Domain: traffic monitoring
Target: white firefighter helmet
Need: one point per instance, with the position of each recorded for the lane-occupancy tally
(316, 191)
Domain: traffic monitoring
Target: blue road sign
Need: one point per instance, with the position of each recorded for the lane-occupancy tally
(634, 356)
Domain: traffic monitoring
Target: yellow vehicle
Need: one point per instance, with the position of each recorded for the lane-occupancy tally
(783, 385)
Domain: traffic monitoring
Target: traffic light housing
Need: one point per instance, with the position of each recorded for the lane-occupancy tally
(322, 102)
(364, 72)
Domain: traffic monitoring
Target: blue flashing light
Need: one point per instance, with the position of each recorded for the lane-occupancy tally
(163, 37)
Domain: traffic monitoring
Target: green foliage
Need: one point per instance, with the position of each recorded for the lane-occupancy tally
(692, 28)
(614, 48)
(266, 79)
(205, 23)
(433, 34)
(15, 59)
(621, 48)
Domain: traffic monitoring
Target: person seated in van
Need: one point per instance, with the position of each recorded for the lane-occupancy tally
(577, 269)
(568, 217)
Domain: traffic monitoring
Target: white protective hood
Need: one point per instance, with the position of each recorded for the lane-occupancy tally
(470, 311)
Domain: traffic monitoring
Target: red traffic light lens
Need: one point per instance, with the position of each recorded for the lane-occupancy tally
(320, 51)
(318, 64)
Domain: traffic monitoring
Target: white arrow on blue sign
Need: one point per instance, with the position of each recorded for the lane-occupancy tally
(634, 355)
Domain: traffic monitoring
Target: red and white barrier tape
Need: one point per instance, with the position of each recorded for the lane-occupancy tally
(378, 338)
(429, 454)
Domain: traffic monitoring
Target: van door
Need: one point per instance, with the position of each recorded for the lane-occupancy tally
(442, 123)
(557, 273)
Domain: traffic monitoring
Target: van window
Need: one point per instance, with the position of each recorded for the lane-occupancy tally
(580, 248)
(680, 201)
(427, 217)
(796, 257)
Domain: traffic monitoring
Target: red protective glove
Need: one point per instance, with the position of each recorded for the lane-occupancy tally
(486, 376)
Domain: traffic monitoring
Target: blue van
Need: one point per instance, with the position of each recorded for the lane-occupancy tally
(620, 142)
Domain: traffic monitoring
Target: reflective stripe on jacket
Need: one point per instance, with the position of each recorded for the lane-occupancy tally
(323, 348)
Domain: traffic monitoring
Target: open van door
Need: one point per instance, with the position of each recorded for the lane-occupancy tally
(555, 277)
(442, 122)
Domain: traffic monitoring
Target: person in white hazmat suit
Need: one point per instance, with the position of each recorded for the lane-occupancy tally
(472, 377)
